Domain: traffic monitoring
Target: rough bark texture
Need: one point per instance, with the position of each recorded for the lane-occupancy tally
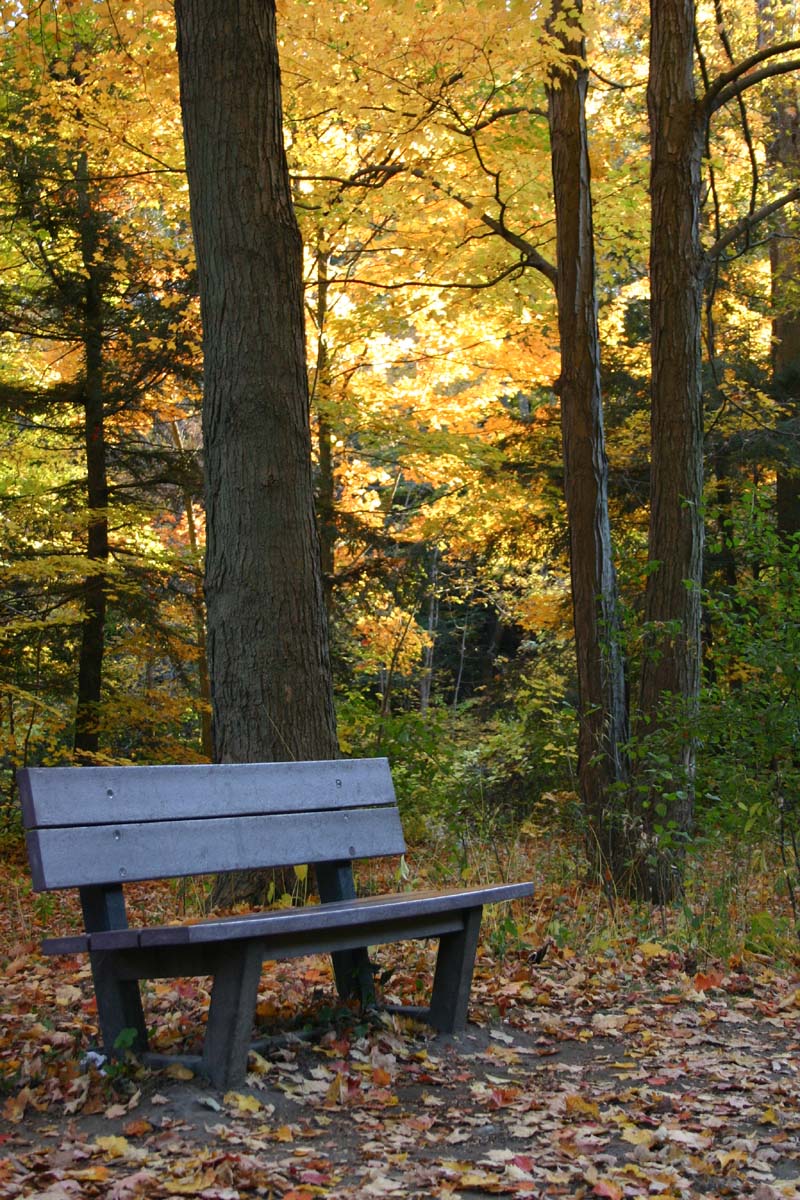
(671, 667)
(90, 656)
(267, 641)
(602, 706)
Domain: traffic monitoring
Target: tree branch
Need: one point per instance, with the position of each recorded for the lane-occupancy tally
(731, 83)
(532, 256)
(747, 223)
(376, 175)
(437, 284)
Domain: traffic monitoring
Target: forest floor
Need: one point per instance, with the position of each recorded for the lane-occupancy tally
(629, 1071)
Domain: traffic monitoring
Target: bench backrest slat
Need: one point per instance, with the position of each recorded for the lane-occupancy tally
(100, 854)
(88, 826)
(100, 795)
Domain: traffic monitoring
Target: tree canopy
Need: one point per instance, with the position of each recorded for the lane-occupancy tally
(552, 377)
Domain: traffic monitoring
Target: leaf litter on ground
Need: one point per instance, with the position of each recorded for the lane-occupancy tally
(618, 1074)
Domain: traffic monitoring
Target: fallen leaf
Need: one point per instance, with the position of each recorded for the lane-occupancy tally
(14, 1107)
(245, 1104)
(137, 1128)
(179, 1071)
(114, 1147)
(588, 1108)
(133, 1185)
(652, 950)
(605, 1187)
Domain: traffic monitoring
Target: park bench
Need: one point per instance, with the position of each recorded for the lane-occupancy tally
(99, 828)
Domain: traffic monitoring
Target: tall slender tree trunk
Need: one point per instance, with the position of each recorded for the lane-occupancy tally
(602, 705)
(671, 667)
(778, 23)
(426, 679)
(90, 657)
(267, 639)
(198, 614)
(326, 490)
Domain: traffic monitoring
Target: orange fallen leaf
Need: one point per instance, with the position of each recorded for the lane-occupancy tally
(609, 1189)
(137, 1128)
(14, 1107)
(704, 980)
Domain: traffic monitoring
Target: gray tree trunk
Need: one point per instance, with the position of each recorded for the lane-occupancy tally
(602, 706)
(267, 637)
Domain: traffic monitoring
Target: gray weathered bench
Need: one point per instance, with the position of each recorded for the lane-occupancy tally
(98, 828)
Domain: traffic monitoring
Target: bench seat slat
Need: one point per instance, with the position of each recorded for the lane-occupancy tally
(173, 962)
(120, 853)
(99, 795)
(345, 913)
(73, 943)
(280, 923)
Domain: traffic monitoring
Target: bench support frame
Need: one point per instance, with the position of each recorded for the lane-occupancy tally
(236, 970)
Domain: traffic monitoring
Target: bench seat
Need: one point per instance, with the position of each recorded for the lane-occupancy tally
(391, 913)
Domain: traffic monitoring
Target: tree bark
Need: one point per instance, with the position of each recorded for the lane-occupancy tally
(326, 490)
(778, 23)
(267, 636)
(602, 705)
(671, 666)
(198, 614)
(90, 656)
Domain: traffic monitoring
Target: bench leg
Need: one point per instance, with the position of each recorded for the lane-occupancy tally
(354, 976)
(119, 1005)
(453, 979)
(352, 969)
(231, 1015)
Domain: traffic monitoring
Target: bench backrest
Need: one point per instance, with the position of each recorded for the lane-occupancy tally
(112, 825)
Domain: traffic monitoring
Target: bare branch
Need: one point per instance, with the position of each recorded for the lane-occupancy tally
(533, 258)
(612, 83)
(382, 285)
(749, 222)
(731, 83)
(512, 110)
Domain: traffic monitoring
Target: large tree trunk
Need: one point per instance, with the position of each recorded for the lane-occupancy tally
(90, 656)
(671, 667)
(267, 639)
(602, 707)
(271, 687)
